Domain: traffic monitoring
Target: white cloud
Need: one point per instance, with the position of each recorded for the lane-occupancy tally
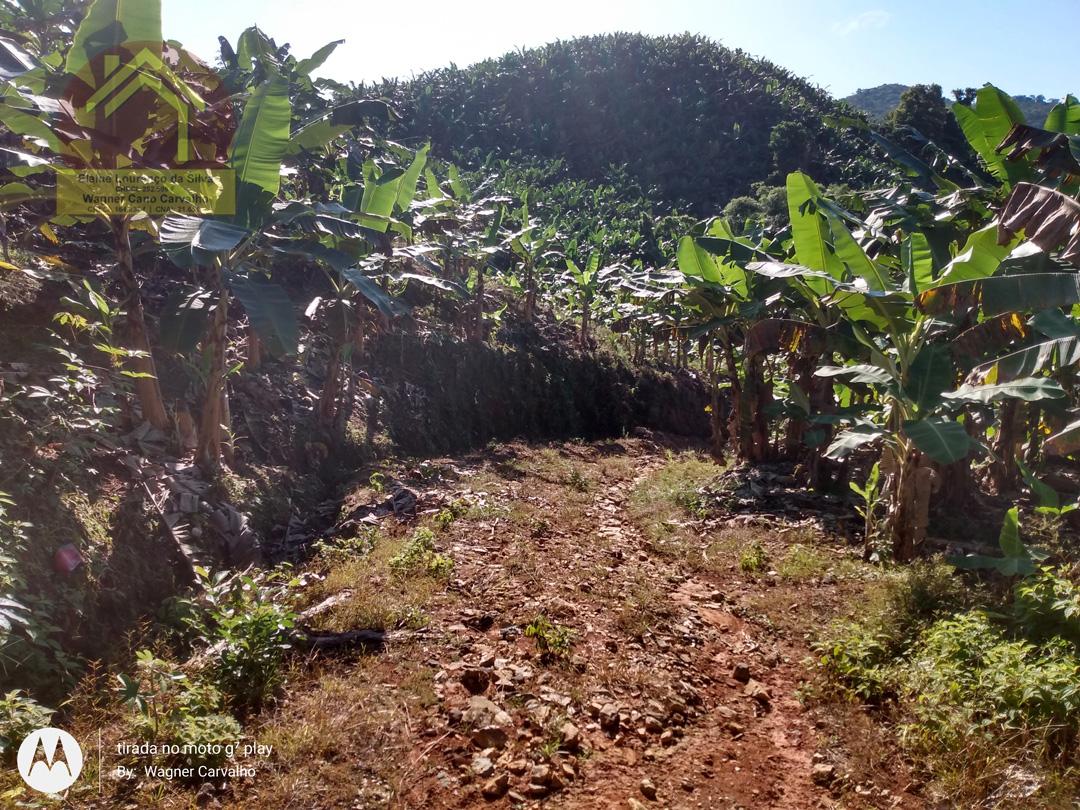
(868, 20)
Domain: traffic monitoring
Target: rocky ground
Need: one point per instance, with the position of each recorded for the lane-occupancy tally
(602, 641)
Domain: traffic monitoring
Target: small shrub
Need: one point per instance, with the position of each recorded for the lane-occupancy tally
(975, 697)
(377, 481)
(576, 480)
(19, 715)
(860, 654)
(966, 678)
(693, 501)
(30, 646)
(203, 738)
(245, 623)
(754, 559)
(173, 709)
(338, 551)
(1048, 605)
(539, 527)
(445, 519)
(451, 512)
(552, 640)
(150, 692)
(419, 556)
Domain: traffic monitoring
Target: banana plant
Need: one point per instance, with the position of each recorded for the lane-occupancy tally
(223, 253)
(41, 27)
(464, 230)
(344, 318)
(581, 286)
(534, 247)
(768, 312)
(232, 255)
(354, 245)
(904, 359)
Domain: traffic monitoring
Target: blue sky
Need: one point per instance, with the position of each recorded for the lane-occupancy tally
(839, 44)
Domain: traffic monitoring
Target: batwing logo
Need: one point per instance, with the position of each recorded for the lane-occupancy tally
(50, 760)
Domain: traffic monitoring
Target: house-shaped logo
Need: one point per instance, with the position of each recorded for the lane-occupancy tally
(50, 760)
(149, 131)
(146, 71)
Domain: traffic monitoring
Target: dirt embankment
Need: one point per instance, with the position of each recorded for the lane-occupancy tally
(441, 397)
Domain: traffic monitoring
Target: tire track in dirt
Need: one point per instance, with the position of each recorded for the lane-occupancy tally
(741, 750)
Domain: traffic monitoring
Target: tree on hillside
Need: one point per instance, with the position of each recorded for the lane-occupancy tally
(790, 147)
(965, 95)
(923, 108)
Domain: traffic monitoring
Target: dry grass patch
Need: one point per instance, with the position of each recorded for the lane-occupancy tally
(676, 484)
(380, 594)
(644, 608)
(575, 470)
(345, 739)
(667, 505)
(527, 571)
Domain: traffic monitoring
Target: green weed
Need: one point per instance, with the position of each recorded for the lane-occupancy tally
(802, 562)
(754, 558)
(552, 640)
(419, 556)
(19, 715)
(576, 480)
(978, 692)
(860, 653)
(173, 709)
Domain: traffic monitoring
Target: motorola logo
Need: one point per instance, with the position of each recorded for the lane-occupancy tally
(50, 760)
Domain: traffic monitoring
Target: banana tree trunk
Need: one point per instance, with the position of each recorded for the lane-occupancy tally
(760, 395)
(339, 388)
(346, 403)
(909, 484)
(147, 387)
(187, 435)
(1035, 415)
(208, 452)
(1006, 473)
(739, 425)
(955, 481)
(348, 399)
(331, 387)
(821, 469)
(720, 436)
(801, 368)
(253, 360)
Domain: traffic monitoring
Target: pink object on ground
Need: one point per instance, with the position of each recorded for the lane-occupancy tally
(67, 559)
